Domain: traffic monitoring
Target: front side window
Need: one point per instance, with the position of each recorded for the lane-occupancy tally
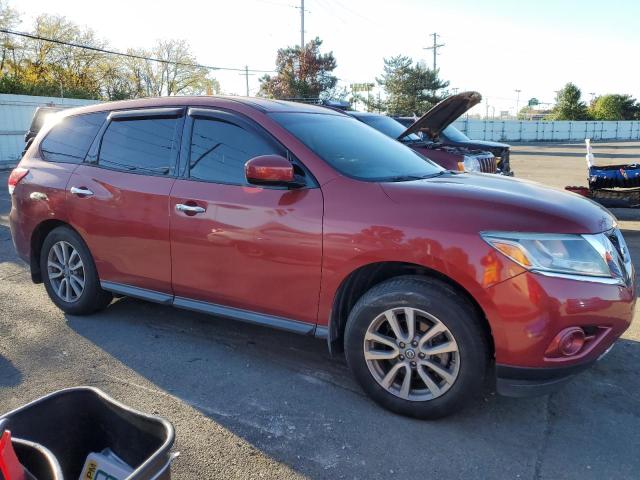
(70, 139)
(356, 150)
(220, 149)
(140, 145)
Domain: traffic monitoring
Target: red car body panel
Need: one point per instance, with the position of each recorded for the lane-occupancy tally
(527, 311)
(138, 255)
(288, 252)
(49, 179)
(253, 248)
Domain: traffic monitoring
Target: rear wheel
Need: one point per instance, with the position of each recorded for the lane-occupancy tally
(70, 275)
(417, 347)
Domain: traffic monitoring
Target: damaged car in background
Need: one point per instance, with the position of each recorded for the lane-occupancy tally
(436, 130)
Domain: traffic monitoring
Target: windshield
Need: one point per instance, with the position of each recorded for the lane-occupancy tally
(356, 150)
(455, 135)
(387, 125)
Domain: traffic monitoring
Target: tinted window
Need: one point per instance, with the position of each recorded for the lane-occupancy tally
(220, 149)
(356, 150)
(455, 135)
(145, 145)
(70, 139)
(387, 125)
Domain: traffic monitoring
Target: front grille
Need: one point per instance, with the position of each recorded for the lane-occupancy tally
(488, 164)
(618, 242)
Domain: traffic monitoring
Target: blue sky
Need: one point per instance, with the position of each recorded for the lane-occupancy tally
(494, 47)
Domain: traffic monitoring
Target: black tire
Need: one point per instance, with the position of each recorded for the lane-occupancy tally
(93, 298)
(458, 316)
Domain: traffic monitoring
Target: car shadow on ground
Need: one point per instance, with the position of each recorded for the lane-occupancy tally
(283, 394)
(10, 376)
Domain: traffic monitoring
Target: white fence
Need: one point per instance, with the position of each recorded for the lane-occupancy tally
(536, 131)
(16, 112)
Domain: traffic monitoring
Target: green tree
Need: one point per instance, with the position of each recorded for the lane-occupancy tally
(411, 89)
(615, 107)
(302, 74)
(568, 104)
(9, 18)
(177, 75)
(41, 67)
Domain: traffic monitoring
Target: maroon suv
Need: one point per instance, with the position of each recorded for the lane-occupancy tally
(305, 219)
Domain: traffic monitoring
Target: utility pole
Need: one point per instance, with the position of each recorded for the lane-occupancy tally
(301, 24)
(517, 100)
(435, 48)
(246, 77)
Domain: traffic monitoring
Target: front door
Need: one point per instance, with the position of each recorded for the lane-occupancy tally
(252, 248)
(120, 202)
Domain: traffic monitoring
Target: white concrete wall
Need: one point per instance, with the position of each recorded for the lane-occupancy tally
(16, 112)
(532, 131)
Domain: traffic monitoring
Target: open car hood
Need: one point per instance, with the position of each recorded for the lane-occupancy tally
(443, 114)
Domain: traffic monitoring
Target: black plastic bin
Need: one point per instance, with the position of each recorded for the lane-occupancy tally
(74, 422)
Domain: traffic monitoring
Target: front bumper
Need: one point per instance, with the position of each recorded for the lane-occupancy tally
(529, 310)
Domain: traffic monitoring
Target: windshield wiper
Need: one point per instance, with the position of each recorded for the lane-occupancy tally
(405, 178)
(409, 178)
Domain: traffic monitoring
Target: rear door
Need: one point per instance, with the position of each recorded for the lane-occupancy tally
(119, 199)
(253, 248)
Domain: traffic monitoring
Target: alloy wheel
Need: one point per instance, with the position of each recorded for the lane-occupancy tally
(66, 271)
(411, 354)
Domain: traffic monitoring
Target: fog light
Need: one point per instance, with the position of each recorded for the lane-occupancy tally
(571, 341)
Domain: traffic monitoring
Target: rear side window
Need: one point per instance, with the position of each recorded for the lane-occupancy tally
(140, 145)
(70, 139)
(220, 149)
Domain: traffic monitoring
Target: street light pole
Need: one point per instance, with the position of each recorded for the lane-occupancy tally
(517, 100)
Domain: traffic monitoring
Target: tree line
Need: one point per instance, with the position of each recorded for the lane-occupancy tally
(307, 74)
(570, 106)
(31, 66)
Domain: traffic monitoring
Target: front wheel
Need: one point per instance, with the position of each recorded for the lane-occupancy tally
(417, 347)
(69, 273)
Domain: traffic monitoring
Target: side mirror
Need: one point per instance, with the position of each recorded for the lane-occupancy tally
(270, 170)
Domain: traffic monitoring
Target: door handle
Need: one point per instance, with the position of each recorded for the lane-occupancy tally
(181, 207)
(81, 191)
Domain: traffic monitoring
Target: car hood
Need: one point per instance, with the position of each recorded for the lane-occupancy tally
(491, 202)
(443, 114)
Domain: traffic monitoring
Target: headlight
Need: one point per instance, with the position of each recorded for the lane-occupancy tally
(469, 164)
(593, 256)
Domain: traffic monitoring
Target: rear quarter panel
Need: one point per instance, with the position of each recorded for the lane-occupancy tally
(40, 196)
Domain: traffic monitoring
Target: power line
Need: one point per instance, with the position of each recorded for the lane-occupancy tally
(128, 55)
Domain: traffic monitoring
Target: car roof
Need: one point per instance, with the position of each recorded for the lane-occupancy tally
(261, 104)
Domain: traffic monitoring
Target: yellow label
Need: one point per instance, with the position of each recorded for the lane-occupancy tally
(90, 471)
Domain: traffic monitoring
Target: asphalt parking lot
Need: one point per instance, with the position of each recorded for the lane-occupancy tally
(249, 402)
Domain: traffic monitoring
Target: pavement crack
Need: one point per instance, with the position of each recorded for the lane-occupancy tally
(12, 275)
(546, 434)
